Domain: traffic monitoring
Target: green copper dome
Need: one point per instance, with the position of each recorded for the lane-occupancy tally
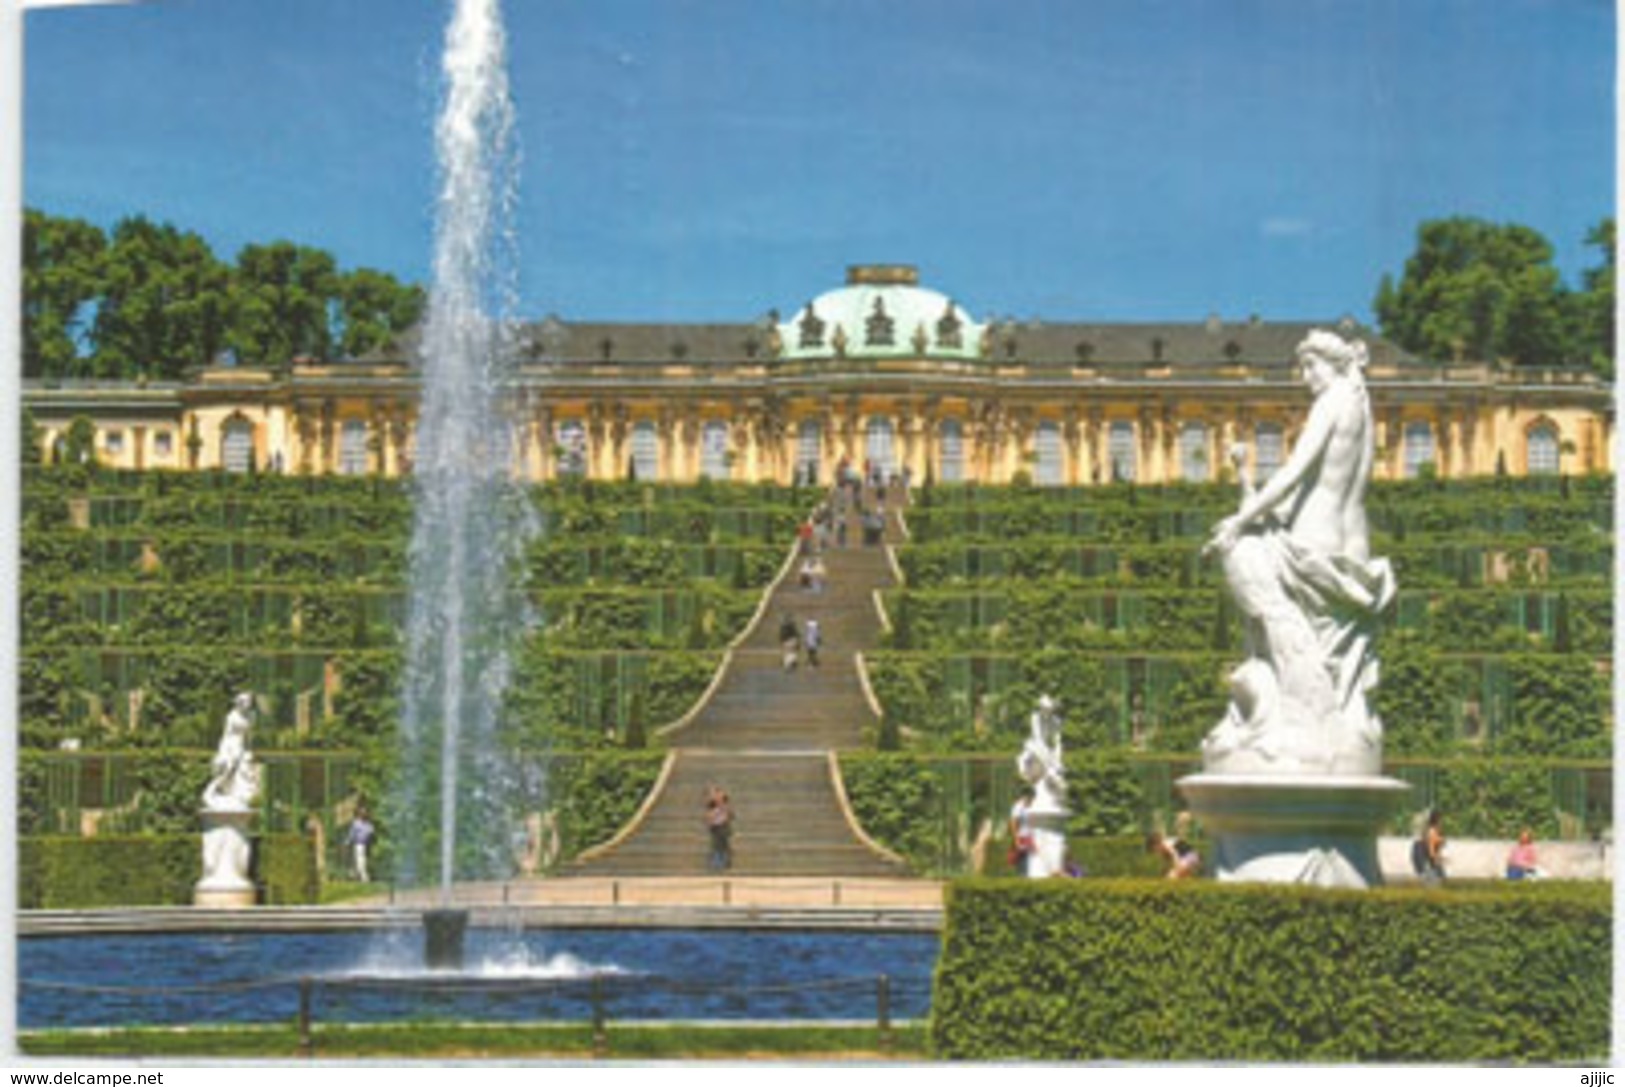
(882, 312)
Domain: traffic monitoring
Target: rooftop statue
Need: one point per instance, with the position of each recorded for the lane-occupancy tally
(1296, 557)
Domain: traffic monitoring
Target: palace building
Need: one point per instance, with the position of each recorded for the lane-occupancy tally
(879, 369)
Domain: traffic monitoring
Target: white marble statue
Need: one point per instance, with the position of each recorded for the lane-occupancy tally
(228, 809)
(236, 781)
(1296, 557)
(1041, 766)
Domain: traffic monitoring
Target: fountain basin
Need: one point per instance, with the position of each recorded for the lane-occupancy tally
(101, 980)
(1316, 830)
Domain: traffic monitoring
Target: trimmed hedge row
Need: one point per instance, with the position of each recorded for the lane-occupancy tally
(69, 873)
(1172, 617)
(1150, 970)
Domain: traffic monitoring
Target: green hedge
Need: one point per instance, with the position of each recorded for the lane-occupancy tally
(1150, 970)
(150, 870)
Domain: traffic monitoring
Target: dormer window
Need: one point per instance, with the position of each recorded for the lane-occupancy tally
(950, 332)
(1156, 349)
(1085, 351)
(879, 330)
(811, 328)
(606, 348)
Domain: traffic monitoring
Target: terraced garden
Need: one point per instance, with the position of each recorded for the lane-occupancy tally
(149, 598)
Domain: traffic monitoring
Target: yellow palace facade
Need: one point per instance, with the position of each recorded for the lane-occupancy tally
(879, 369)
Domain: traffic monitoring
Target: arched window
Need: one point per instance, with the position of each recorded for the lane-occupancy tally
(714, 450)
(645, 451)
(1418, 448)
(237, 445)
(1120, 451)
(878, 446)
(1545, 449)
(1047, 445)
(353, 448)
(1193, 457)
(951, 452)
(809, 450)
(572, 447)
(1270, 443)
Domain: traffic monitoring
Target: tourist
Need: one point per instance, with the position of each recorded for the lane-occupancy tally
(1183, 860)
(874, 527)
(818, 575)
(359, 840)
(812, 639)
(1427, 852)
(789, 641)
(840, 531)
(804, 537)
(1021, 831)
(1521, 862)
(806, 575)
(719, 826)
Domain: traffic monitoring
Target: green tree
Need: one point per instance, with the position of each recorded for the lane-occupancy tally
(1479, 290)
(285, 298)
(61, 277)
(165, 302)
(1594, 303)
(373, 309)
(32, 436)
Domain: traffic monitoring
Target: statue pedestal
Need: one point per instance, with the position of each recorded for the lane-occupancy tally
(226, 855)
(1048, 857)
(1315, 830)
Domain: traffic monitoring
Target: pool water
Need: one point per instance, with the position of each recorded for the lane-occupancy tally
(510, 976)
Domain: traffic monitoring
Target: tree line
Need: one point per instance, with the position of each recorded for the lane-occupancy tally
(149, 300)
(1488, 291)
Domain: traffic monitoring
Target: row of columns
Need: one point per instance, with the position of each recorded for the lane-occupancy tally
(763, 439)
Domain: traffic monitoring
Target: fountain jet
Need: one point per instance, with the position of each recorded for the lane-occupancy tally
(462, 612)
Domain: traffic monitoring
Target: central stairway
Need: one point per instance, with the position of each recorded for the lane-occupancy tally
(767, 736)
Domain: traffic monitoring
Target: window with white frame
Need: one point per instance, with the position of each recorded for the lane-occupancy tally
(163, 444)
(1269, 442)
(951, 452)
(1545, 449)
(1193, 454)
(645, 451)
(714, 450)
(113, 440)
(878, 446)
(1418, 448)
(809, 449)
(353, 447)
(237, 445)
(1120, 451)
(1048, 469)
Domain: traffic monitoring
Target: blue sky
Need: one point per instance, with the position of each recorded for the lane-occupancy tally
(710, 159)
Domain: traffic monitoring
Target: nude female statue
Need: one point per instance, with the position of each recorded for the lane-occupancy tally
(236, 776)
(1296, 557)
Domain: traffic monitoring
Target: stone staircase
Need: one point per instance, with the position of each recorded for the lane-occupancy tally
(765, 737)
